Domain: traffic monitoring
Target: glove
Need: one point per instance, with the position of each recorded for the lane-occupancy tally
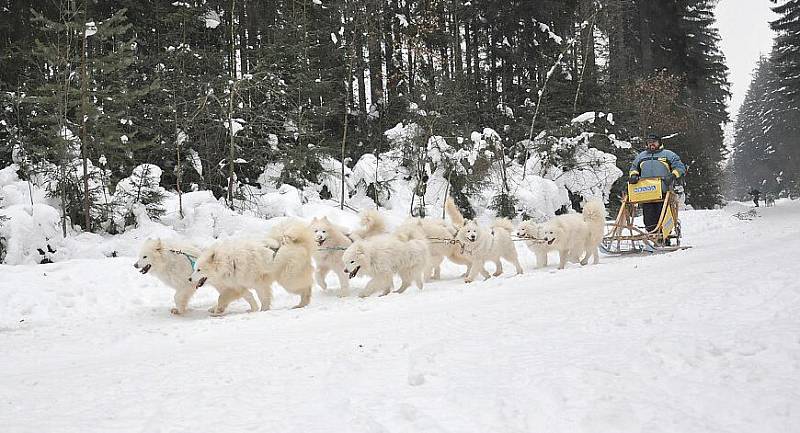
(632, 179)
(669, 179)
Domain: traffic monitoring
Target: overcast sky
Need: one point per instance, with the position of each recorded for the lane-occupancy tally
(744, 28)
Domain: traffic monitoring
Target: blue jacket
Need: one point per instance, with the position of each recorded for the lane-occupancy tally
(658, 164)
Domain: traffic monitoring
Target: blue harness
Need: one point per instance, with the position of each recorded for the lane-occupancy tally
(192, 259)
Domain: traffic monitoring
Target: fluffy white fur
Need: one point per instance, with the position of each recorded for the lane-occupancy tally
(237, 265)
(331, 243)
(440, 236)
(372, 224)
(594, 215)
(481, 244)
(576, 237)
(384, 256)
(159, 258)
(534, 232)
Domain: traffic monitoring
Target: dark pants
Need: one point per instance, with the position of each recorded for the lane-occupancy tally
(755, 200)
(651, 213)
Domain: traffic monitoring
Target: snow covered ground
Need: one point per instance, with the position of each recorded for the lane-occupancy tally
(702, 340)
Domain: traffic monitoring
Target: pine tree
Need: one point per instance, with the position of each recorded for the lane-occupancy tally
(786, 52)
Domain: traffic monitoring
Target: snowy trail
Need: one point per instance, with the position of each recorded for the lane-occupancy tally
(702, 340)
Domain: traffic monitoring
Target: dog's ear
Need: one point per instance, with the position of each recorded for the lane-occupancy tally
(159, 245)
(325, 218)
(212, 257)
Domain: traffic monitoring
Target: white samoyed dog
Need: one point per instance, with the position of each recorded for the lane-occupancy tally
(235, 266)
(171, 262)
(331, 242)
(384, 256)
(575, 236)
(441, 242)
(481, 245)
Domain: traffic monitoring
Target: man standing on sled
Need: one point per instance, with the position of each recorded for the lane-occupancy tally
(655, 161)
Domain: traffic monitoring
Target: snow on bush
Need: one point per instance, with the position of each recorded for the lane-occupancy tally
(537, 198)
(139, 197)
(371, 176)
(26, 229)
(331, 178)
(30, 233)
(573, 165)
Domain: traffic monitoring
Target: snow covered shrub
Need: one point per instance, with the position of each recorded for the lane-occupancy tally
(376, 178)
(573, 160)
(330, 179)
(139, 195)
(58, 169)
(3, 240)
(490, 146)
(29, 226)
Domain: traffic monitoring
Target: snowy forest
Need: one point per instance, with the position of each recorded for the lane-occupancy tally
(472, 216)
(767, 150)
(108, 106)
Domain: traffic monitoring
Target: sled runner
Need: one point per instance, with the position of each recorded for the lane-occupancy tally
(623, 236)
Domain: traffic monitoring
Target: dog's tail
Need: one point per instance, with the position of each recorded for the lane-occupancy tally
(594, 212)
(295, 233)
(453, 212)
(504, 224)
(410, 230)
(372, 222)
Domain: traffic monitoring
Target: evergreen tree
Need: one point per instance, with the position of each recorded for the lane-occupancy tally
(786, 52)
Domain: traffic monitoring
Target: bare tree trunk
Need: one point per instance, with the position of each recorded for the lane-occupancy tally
(468, 49)
(178, 170)
(232, 144)
(360, 81)
(347, 95)
(231, 149)
(456, 36)
(84, 156)
(539, 103)
(375, 61)
(588, 56)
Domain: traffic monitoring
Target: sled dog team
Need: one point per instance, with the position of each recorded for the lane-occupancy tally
(414, 251)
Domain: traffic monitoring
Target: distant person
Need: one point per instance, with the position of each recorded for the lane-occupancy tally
(756, 194)
(655, 161)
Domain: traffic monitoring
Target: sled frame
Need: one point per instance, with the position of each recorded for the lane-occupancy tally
(623, 236)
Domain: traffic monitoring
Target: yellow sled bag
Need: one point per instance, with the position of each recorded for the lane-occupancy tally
(647, 189)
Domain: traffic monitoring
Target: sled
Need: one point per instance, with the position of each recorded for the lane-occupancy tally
(623, 236)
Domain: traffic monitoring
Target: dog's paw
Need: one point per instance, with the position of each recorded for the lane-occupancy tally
(175, 311)
(216, 313)
(496, 274)
(212, 309)
(467, 280)
(385, 293)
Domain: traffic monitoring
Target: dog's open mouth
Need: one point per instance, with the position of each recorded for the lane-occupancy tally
(320, 242)
(145, 269)
(354, 272)
(201, 281)
(550, 242)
